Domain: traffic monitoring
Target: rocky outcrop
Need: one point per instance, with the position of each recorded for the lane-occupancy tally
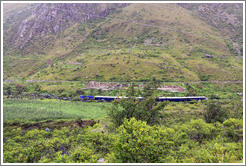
(49, 19)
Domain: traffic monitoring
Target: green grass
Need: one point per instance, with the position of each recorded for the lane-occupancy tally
(14, 109)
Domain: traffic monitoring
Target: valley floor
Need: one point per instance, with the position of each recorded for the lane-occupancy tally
(56, 137)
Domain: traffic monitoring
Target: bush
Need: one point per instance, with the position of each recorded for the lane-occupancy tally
(196, 130)
(20, 88)
(236, 109)
(98, 140)
(80, 92)
(215, 152)
(214, 96)
(234, 129)
(214, 113)
(204, 77)
(110, 158)
(139, 142)
(147, 109)
(83, 155)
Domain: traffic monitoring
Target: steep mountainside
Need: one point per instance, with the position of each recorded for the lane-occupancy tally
(225, 17)
(117, 42)
(46, 20)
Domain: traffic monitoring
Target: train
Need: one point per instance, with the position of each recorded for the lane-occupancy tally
(112, 98)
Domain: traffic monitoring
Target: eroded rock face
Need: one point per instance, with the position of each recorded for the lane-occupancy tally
(53, 18)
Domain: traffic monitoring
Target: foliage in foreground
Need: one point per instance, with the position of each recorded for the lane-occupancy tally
(134, 141)
(141, 143)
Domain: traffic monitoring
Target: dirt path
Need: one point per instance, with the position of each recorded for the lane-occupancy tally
(52, 81)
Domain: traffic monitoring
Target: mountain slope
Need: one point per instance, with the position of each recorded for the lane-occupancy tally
(122, 42)
(225, 17)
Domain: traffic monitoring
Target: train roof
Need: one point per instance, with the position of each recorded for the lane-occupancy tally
(116, 97)
(158, 97)
(111, 96)
(189, 97)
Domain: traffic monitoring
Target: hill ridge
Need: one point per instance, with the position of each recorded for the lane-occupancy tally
(132, 42)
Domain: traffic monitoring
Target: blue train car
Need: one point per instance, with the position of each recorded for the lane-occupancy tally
(105, 98)
(112, 98)
(86, 97)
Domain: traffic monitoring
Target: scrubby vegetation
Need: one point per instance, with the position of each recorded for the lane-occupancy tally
(146, 109)
(135, 141)
(186, 132)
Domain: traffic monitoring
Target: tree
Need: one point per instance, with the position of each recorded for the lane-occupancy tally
(196, 130)
(234, 129)
(214, 112)
(147, 109)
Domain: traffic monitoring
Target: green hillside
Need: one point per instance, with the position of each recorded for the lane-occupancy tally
(136, 42)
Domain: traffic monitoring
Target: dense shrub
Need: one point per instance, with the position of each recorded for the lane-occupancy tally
(147, 109)
(98, 140)
(58, 145)
(233, 129)
(83, 155)
(139, 142)
(196, 130)
(214, 112)
(135, 141)
(215, 152)
(20, 88)
(236, 109)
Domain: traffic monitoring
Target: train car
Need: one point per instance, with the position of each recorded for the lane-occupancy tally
(108, 98)
(86, 97)
(112, 98)
(105, 98)
(100, 98)
(177, 99)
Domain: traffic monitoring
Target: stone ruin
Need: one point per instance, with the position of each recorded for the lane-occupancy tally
(172, 88)
(115, 85)
(105, 85)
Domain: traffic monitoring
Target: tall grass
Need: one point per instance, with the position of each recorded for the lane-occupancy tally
(51, 109)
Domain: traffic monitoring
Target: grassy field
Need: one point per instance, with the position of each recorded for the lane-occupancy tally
(30, 110)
